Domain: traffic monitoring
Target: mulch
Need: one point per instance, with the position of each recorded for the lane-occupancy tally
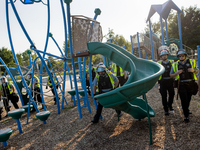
(67, 131)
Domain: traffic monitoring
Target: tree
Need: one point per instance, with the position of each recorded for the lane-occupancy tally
(7, 56)
(190, 26)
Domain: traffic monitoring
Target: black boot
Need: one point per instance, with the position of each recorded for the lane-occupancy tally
(1, 110)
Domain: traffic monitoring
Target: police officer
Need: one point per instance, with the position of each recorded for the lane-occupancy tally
(184, 70)
(36, 88)
(105, 81)
(165, 81)
(50, 85)
(7, 90)
(119, 73)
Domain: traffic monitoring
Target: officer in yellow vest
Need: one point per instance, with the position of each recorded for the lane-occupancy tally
(119, 73)
(36, 88)
(105, 81)
(7, 92)
(165, 81)
(184, 70)
(50, 85)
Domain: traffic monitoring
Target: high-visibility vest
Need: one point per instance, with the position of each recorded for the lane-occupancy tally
(38, 81)
(114, 66)
(54, 80)
(10, 89)
(160, 62)
(111, 80)
(175, 68)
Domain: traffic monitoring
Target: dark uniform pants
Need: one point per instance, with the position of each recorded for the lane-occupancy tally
(37, 95)
(185, 96)
(122, 81)
(167, 86)
(99, 110)
(14, 99)
(52, 90)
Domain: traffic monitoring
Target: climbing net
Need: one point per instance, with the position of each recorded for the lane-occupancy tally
(83, 32)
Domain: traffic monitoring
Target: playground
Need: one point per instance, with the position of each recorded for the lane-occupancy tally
(62, 118)
(67, 131)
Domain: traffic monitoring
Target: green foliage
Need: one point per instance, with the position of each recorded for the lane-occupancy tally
(7, 56)
(190, 26)
(119, 39)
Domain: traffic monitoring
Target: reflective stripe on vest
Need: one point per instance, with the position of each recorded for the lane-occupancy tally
(38, 81)
(175, 68)
(54, 80)
(160, 62)
(111, 80)
(115, 70)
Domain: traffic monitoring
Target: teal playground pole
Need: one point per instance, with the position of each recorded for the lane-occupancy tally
(138, 45)
(150, 33)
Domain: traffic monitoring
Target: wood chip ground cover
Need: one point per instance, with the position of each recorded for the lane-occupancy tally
(67, 131)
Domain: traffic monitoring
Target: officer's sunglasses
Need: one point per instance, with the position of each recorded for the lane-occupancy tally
(181, 56)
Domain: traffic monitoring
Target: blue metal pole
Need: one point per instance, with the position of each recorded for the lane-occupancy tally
(5, 144)
(57, 45)
(65, 64)
(11, 44)
(13, 79)
(71, 53)
(19, 125)
(132, 45)
(56, 80)
(151, 39)
(179, 28)
(51, 78)
(45, 49)
(29, 39)
(84, 85)
(39, 51)
(166, 29)
(138, 44)
(33, 102)
(161, 26)
(198, 56)
(29, 55)
(91, 85)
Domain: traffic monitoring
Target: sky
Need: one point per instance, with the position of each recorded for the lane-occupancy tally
(125, 17)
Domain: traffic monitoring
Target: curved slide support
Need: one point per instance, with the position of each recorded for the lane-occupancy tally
(144, 75)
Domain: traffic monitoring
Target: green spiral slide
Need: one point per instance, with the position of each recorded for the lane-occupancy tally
(143, 76)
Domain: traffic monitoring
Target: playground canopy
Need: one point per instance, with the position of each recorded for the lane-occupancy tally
(163, 10)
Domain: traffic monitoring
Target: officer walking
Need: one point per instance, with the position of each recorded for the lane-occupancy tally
(7, 92)
(105, 81)
(36, 88)
(119, 73)
(50, 85)
(184, 71)
(165, 81)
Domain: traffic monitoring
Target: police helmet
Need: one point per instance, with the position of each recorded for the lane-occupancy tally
(101, 68)
(164, 52)
(181, 51)
(163, 47)
(3, 77)
(30, 72)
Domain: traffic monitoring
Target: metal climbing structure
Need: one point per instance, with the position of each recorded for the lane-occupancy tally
(83, 29)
